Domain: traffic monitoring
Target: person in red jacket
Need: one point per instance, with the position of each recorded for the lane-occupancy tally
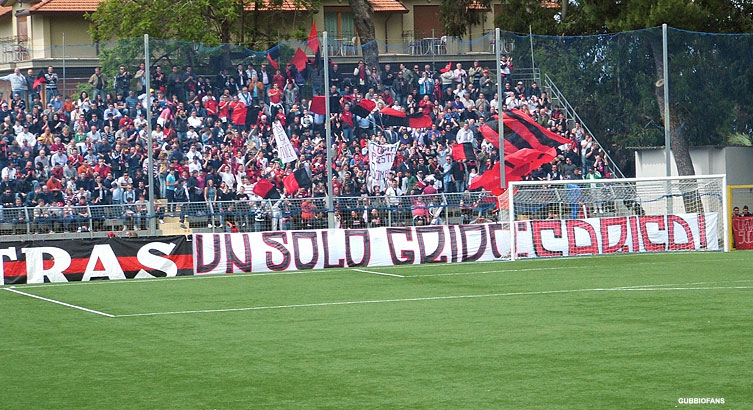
(224, 109)
(239, 114)
(210, 104)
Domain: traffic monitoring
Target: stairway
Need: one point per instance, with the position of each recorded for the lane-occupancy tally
(172, 223)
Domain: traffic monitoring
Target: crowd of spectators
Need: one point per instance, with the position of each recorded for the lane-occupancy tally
(212, 135)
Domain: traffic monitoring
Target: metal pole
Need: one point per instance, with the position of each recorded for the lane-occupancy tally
(500, 110)
(150, 148)
(667, 130)
(431, 44)
(533, 59)
(328, 134)
(667, 125)
(65, 89)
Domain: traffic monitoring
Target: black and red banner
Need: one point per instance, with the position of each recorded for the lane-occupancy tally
(463, 151)
(94, 259)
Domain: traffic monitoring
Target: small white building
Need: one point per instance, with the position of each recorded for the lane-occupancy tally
(735, 162)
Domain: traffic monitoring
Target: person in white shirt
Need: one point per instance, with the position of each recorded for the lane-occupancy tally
(111, 110)
(245, 97)
(459, 75)
(194, 164)
(464, 134)
(194, 121)
(17, 83)
(25, 135)
(193, 153)
(94, 135)
(191, 134)
(9, 172)
(393, 193)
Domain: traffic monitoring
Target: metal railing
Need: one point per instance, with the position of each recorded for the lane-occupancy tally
(57, 222)
(14, 49)
(572, 116)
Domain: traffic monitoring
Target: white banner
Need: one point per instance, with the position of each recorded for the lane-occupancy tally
(337, 248)
(597, 236)
(284, 147)
(381, 158)
(298, 250)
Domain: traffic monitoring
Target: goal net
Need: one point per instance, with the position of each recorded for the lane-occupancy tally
(604, 216)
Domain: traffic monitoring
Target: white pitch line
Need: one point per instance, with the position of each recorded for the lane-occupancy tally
(59, 302)
(494, 271)
(330, 271)
(430, 298)
(394, 275)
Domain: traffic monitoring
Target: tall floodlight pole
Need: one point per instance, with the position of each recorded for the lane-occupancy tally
(150, 148)
(328, 134)
(667, 129)
(65, 89)
(500, 105)
(533, 59)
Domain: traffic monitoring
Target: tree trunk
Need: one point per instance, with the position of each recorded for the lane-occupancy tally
(364, 22)
(678, 142)
(563, 10)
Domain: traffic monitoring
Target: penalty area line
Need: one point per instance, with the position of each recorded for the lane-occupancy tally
(96, 312)
(394, 275)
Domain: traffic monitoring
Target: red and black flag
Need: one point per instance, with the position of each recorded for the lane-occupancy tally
(313, 40)
(299, 59)
(266, 189)
(39, 80)
(393, 117)
(318, 107)
(419, 120)
(521, 131)
(363, 108)
(517, 165)
(527, 133)
(296, 180)
(463, 151)
(273, 55)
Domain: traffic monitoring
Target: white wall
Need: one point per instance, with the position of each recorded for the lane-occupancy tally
(736, 162)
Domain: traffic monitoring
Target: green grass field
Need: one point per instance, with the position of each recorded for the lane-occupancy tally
(619, 332)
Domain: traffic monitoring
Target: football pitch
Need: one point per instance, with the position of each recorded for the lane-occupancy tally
(616, 332)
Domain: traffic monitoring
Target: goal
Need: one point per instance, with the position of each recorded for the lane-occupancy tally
(605, 216)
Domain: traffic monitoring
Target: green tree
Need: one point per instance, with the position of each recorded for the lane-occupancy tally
(616, 79)
(252, 23)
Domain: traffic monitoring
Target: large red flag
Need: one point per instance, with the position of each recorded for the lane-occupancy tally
(517, 165)
(299, 59)
(313, 41)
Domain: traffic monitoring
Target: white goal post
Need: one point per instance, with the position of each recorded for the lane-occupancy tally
(605, 216)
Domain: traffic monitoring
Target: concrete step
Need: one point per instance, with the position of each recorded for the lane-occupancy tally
(172, 227)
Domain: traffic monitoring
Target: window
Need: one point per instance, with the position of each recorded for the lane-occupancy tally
(22, 29)
(339, 22)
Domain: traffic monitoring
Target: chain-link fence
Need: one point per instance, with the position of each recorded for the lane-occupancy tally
(79, 220)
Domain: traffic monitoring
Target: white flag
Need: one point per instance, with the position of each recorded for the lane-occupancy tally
(381, 158)
(284, 147)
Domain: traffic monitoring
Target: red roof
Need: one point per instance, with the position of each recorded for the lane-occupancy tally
(5, 10)
(379, 6)
(393, 6)
(65, 5)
